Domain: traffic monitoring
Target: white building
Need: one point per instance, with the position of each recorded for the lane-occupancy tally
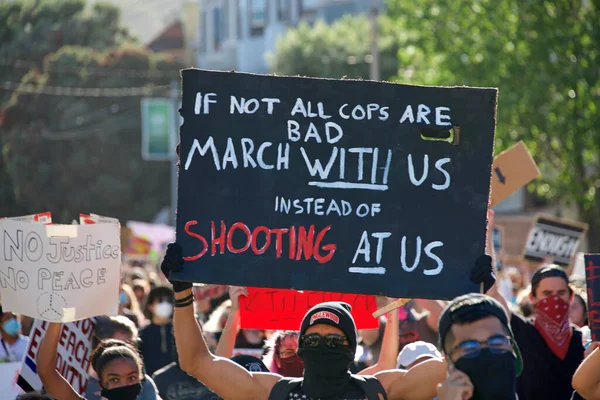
(237, 34)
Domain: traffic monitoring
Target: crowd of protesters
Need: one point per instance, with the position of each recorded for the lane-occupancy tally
(173, 341)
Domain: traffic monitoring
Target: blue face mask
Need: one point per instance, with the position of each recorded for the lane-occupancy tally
(12, 327)
(123, 298)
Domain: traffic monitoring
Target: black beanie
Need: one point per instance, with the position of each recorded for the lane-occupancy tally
(332, 313)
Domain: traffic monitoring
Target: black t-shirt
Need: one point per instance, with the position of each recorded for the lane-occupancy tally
(156, 346)
(545, 376)
(175, 384)
(352, 392)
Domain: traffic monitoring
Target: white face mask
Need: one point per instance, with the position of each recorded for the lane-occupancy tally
(163, 309)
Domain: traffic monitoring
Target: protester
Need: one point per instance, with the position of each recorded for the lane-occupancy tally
(415, 353)
(327, 345)
(13, 344)
(578, 313)
(156, 338)
(483, 358)
(141, 289)
(123, 329)
(174, 384)
(552, 349)
(586, 379)
(129, 306)
(282, 357)
(116, 363)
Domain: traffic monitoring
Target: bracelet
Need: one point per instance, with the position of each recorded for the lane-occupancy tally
(185, 299)
(184, 304)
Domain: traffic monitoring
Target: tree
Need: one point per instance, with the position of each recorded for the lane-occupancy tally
(543, 57)
(69, 153)
(338, 50)
(29, 31)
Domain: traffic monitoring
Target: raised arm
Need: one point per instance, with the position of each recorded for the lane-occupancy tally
(224, 377)
(435, 308)
(389, 347)
(56, 385)
(586, 380)
(232, 327)
(418, 383)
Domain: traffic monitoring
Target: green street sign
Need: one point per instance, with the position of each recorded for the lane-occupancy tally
(158, 129)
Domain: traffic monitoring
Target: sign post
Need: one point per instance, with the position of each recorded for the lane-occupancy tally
(333, 185)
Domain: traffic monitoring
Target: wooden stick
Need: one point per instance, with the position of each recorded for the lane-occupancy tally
(390, 307)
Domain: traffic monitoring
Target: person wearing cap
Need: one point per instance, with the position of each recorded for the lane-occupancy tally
(552, 347)
(415, 353)
(483, 357)
(327, 346)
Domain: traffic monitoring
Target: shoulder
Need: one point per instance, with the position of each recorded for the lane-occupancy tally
(519, 323)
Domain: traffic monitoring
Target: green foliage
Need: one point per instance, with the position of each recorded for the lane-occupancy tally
(71, 154)
(543, 56)
(336, 50)
(29, 31)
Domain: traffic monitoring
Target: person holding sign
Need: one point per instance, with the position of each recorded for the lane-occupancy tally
(327, 346)
(587, 377)
(117, 364)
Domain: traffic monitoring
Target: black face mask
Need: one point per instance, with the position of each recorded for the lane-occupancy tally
(326, 371)
(493, 375)
(122, 393)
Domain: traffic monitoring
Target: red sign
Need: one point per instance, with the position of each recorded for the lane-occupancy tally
(284, 309)
(592, 275)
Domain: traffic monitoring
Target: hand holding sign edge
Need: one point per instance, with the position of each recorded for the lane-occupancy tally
(173, 262)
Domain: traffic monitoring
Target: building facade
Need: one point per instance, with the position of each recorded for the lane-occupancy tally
(237, 34)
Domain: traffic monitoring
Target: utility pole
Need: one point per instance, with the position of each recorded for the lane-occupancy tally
(174, 94)
(375, 73)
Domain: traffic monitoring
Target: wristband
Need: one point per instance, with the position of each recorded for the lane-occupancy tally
(185, 299)
(184, 304)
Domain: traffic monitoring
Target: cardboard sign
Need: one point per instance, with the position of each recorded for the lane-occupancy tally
(554, 238)
(73, 357)
(333, 185)
(512, 169)
(592, 276)
(284, 309)
(57, 273)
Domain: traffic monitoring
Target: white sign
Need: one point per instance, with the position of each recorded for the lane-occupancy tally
(42, 218)
(9, 372)
(58, 273)
(73, 356)
(85, 219)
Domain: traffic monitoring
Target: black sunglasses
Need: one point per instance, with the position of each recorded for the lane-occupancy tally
(315, 340)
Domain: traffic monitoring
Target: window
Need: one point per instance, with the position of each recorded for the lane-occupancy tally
(225, 19)
(308, 7)
(258, 18)
(218, 28)
(241, 9)
(202, 38)
(284, 10)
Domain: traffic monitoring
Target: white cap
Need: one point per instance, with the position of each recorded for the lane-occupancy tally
(415, 351)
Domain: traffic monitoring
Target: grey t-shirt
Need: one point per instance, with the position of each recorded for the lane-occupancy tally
(149, 391)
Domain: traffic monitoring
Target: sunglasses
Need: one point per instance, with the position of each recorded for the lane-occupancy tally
(333, 340)
(471, 348)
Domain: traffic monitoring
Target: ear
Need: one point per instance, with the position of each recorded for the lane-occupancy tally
(277, 361)
(532, 298)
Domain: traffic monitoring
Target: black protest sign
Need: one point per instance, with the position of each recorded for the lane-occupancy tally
(328, 185)
(554, 238)
(592, 276)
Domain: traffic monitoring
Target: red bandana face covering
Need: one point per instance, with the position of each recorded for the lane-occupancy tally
(552, 322)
